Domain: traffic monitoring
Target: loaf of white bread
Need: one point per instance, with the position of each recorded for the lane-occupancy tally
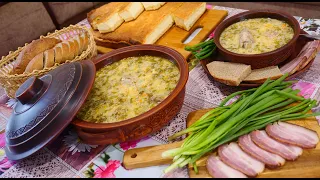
(188, 14)
(149, 6)
(131, 11)
(46, 52)
(234, 73)
(151, 25)
(110, 17)
(30, 51)
(146, 29)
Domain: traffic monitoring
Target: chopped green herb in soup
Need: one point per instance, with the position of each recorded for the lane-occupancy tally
(256, 36)
(128, 88)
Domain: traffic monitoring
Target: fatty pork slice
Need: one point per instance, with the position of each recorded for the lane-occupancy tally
(269, 159)
(293, 134)
(219, 169)
(232, 155)
(288, 152)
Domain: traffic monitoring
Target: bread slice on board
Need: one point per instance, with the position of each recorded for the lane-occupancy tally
(228, 73)
(30, 51)
(111, 20)
(131, 11)
(96, 14)
(48, 58)
(149, 6)
(106, 14)
(36, 63)
(261, 75)
(188, 14)
(150, 26)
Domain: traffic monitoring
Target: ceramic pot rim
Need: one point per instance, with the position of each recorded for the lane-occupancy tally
(236, 18)
(184, 73)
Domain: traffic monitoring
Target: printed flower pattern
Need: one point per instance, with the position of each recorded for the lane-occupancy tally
(5, 163)
(306, 89)
(12, 103)
(131, 144)
(2, 140)
(75, 144)
(108, 170)
(311, 26)
(211, 35)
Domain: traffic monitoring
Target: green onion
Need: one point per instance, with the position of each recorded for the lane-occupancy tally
(254, 109)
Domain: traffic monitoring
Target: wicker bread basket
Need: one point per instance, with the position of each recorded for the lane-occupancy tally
(12, 82)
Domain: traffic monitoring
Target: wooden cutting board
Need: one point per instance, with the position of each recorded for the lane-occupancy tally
(307, 165)
(175, 36)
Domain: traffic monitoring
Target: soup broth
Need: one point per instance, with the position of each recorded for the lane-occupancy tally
(256, 36)
(128, 88)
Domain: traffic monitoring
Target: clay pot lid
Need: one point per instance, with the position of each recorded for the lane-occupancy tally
(45, 107)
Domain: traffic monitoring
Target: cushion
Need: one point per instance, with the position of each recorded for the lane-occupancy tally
(22, 22)
(64, 11)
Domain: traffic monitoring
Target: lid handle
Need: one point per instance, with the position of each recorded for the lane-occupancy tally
(29, 89)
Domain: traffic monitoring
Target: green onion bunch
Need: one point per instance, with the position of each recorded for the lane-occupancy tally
(255, 108)
(202, 50)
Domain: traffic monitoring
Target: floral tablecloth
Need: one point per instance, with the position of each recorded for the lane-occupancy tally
(67, 156)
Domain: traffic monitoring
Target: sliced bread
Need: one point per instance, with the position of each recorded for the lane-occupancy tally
(67, 50)
(149, 6)
(111, 20)
(150, 26)
(48, 58)
(36, 63)
(188, 14)
(77, 42)
(132, 11)
(64, 51)
(73, 49)
(58, 54)
(84, 41)
(96, 14)
(261, 75)
(32, 50)
(228, 73)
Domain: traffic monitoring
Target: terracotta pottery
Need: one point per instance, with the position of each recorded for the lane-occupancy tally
(264, 59)
(148, 122)
(46, 105)
(297, 48)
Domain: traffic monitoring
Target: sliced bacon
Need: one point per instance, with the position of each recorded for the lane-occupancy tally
(318, 45)
(271, 160)
(315, 48)
(293, 134)
(302, 59)
(265, 142)
(232, 155)
(219, 169)
(290, 66)
(305, 48)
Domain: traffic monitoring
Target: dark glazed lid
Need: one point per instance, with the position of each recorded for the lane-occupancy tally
(45, 107)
